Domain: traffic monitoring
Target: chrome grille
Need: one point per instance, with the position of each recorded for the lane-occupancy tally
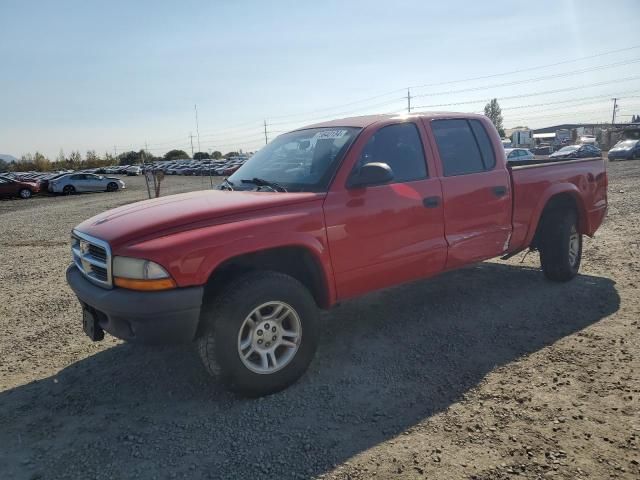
(92, 256)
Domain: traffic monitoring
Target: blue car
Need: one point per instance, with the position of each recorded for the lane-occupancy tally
(625, 150)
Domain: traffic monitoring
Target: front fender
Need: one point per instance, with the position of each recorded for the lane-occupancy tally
(193, 255)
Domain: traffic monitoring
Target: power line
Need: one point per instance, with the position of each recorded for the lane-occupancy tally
(607, 97)
(530, 80)
(410, 107)
(397, 100)
(375, 97)
(528, 69)
(546, 92)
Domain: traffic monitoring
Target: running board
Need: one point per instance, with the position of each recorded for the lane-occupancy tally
(512, 254)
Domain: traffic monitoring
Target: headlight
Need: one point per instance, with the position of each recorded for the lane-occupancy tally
(140, 274)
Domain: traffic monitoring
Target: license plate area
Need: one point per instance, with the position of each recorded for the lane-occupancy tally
(91, 326)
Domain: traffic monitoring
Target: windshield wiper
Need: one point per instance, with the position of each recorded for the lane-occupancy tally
(261, 182)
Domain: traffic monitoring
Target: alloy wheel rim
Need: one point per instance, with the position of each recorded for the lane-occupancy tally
(25, 193)
(574, 246)
(269, 337)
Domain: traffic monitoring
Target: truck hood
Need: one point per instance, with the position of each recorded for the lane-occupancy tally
(161, 216)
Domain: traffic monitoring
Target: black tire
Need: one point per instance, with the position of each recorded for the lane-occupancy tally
(112, 187)
(69, 190)
(25, 193)
(559, 259)
(218, 345)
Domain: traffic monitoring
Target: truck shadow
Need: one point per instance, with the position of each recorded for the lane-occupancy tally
(386, 362)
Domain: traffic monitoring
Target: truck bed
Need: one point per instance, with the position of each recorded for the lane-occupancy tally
(536, 182)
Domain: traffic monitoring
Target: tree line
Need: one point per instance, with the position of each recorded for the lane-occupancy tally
(74, 161)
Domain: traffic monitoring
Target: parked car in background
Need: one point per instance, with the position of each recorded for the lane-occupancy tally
(576, 151)
(542, 149)
(515, 155)
(11, 187)
(85, 182)
(588, 139)
(46, 179)
(625, 150)
(134, 170)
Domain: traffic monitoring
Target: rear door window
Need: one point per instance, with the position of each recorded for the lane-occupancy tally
(484, 143)
(458, 147)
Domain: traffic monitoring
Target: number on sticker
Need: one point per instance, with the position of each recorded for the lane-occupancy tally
(329, 134)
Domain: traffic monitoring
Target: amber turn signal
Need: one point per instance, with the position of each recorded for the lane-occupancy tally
(145, 285)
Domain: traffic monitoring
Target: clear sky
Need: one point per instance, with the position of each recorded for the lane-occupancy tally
(97, 74)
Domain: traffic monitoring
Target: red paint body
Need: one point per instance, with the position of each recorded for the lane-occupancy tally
(362, 238)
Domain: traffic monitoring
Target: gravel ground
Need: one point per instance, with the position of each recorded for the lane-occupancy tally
(490, 372)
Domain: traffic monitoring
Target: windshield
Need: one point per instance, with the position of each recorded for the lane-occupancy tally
(626, 144)
(302, 161)
(570, 148)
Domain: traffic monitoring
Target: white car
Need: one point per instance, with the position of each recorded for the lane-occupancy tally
(85, 182)
(518, 155)
(134, 170)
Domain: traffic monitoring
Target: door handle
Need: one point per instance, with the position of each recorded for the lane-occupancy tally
(499, 191)
(431, 202)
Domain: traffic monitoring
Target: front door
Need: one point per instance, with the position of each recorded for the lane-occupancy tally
(80, 182)
(386, 234)
(476, 191)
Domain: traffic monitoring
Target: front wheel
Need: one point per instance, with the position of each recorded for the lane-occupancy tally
(112, 187)
(260, 334)
(25, 193)
(69, 190)
(561, 246)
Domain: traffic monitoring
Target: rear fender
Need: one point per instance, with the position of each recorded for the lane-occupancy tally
(555, 191)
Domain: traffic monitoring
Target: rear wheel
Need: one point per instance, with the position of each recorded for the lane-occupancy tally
(112, 187)
(69, 190)
(260, 334)
(25, 193)
(561, 245)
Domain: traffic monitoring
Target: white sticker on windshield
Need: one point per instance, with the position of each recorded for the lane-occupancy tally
(330, 134)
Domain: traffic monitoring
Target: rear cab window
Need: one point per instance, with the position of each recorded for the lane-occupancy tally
(464, 146)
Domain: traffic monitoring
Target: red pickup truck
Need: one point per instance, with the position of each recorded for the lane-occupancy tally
(319, 215)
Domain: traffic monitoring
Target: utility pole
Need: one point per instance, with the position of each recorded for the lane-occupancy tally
(408, 100)
(191, 139)
(266, 139)
(197, 127)
(615, 107)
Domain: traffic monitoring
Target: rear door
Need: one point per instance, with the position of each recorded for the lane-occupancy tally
(476, 188)
(387, 234)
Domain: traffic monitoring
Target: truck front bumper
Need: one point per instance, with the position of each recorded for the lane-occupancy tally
(165, 317)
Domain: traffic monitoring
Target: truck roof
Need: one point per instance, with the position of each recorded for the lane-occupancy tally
(366, 120)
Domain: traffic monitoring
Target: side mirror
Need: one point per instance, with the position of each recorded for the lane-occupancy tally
(374, 173)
